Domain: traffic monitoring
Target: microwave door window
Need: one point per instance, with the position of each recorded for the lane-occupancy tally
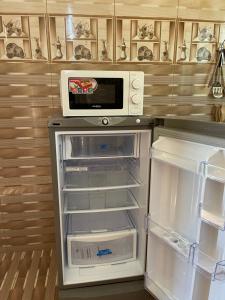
(96, 93)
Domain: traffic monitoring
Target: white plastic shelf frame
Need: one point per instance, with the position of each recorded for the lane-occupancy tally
(175, 185)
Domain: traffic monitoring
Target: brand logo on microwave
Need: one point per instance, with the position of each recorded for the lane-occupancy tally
(82, 85)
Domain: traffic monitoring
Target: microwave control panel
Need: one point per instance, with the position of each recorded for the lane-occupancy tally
(136, 94)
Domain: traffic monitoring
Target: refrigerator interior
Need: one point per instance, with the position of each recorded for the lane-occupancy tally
(103, 176)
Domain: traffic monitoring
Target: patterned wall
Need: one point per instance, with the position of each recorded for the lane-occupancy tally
(173, 44)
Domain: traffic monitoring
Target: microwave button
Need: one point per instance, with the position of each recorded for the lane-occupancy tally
(136, 99)
(136, 84)
(105, 121)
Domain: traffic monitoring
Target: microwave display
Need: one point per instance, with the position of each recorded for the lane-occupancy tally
(95, 93)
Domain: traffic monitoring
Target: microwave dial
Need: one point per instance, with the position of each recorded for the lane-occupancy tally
(136, 84)
(136, 99)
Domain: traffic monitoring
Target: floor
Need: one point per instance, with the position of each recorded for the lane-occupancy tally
(32, 275)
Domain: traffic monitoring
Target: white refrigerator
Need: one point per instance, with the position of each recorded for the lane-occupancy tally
(140, 198)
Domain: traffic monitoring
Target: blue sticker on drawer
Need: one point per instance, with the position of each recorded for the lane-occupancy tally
(104, 252)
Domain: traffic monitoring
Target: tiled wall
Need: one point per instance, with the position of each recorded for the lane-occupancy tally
(38, 39)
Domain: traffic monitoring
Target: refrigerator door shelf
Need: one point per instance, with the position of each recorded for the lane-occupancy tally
(90, 181)
(213, 203)
(174, 199)
(101, 248)
(96, 201)
(183, 154)
(214, 270)
(213, 219)
(214, 168)
(103, 145)
(160, 292)
(170, 275)
(207, 289)
(174, 240)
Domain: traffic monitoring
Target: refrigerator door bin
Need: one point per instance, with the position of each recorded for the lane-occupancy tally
(211, 247)
(209, 279)
(174, 240)
(174, 198)
(170, 275)
(101, 248)
(182, 154)
(215, 166)
(213, 203)
(95, 145)
(96, 201)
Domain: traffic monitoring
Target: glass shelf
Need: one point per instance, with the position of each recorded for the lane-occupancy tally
(99, 180)
(96, 201)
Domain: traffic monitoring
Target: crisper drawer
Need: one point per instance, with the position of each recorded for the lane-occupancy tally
(100, 238)
(101, 248)
(100, 145)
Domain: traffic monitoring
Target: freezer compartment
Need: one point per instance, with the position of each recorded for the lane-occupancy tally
(174, 199)
(100, 239)
(96, 201)
(213, 206)
(98, 174)
(101, 145)
(170, 275)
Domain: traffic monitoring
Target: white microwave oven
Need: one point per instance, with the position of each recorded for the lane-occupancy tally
(102, 93)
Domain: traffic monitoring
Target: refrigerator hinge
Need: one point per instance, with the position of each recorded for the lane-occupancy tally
(147, 223)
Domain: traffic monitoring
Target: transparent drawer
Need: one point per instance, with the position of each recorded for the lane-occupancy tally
(94, 201)
(101, 248)
(100, 145)
(100, 238)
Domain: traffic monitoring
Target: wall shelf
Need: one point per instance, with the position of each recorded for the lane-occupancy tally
(197, 41)
(23, 38)
(145, 40)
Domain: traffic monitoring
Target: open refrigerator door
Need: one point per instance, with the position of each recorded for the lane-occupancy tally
(180, 265)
